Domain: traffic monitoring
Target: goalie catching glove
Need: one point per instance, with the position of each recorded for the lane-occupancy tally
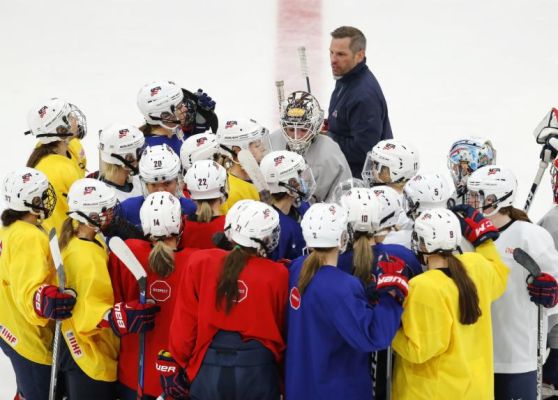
(172, 376)
(132, 317)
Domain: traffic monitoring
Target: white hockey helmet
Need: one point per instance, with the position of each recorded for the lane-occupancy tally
(206, 180)
(436, 230)
(120, 144)
(159, 164)
(251, 223)
(28, 189)
(91, 202)
(425, 191)
(54, 120)
(468, 154)
(344, 187)
(491, 186)
(246, 134)
(391, 208)
(390, 161)
(301, 120)
(364, 209)
(201, 146)
(287, 172)
(161, 215)
(158, 102)
(326, 225)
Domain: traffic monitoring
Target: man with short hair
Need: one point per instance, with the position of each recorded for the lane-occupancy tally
(358, 114)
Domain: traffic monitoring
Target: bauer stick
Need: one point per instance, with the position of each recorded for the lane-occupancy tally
(527, 262)
(124, 254)
(57, 258)
(304, 66)
(250, 165)
(280, 85)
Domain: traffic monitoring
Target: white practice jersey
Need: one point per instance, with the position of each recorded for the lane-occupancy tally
(514, 316)
(137, 189)
(401, 237)
(325, 158)
(550, 223)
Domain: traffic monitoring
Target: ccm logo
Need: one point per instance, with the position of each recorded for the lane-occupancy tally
(487, 224)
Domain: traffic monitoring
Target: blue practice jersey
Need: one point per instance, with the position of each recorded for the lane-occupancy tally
(345, 262)
(291, 241)
(130, 209)
(174, 142)
(332, 329)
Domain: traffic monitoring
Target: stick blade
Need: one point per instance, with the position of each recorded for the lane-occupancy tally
(250, 165)
(124, 254)
(57, 258)
(526, 261)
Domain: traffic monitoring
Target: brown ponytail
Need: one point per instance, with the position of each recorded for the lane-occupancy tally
(67, 233)
(227, 285)
(469, 310)
(204, 211)
(10, 216)
(515, 213)
(161, 259)
(362, 257)
(40, 152)
(310, 266)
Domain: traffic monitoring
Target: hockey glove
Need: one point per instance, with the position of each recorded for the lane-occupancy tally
(543, 290)
(395, 284)
(393, 265)
(204, 101)
(372, 292)
(172, 376)
(131, 317)
(474, 225)
(50, 303)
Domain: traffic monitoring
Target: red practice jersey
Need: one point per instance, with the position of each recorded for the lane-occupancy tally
(164, 292)
(258, 314)
(198, 234)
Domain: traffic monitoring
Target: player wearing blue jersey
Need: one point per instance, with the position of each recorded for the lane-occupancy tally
(332, 327)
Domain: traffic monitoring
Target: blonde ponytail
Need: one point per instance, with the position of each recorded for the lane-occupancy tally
(161, 259)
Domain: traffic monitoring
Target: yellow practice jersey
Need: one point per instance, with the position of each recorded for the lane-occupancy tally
(239, 189)
(25, 264)
(437, 356)
(94, 349)
(61, 172)
(78, 155)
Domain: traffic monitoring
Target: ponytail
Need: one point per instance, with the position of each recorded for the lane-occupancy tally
(227, 285)
(310, 266)
(67, 233)
(363, 256)
(469, 309)
(204, 211)
(40, 152)
(10, 216)
(515, 213)
(161, 259)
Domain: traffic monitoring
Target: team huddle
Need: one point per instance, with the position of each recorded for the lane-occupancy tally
(211, 259)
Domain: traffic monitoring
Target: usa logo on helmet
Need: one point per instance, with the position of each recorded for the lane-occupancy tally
(230, 124)
(332, 210)
(42, 111)
(389, 146)
(200, 141)
(492, 171)
(155, 90)
(278, 160)
(89, 189)
(122, 133)
(26, 178)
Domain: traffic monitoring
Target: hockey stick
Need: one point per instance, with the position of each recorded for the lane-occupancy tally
(538, 177)
(57, 258)
(527, 262)
(280, 85)
(124, 254)
(304, 66)
(250, 165)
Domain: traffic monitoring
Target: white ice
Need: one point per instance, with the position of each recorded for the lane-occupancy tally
(447, 68)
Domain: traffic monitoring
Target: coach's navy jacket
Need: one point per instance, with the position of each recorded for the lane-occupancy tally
(358, 115)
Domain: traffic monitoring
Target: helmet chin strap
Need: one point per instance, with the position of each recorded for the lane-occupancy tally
(128, 164)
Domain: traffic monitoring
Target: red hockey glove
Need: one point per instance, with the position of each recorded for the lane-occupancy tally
(132, 317)
(50, 303)
(172, 376)
(396, 285)
(543, 290)
(474, 225)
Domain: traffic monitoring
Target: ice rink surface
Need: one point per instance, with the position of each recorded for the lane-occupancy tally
(447, 68)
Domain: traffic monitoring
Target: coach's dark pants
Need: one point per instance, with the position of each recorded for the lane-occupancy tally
(515, 386)
(234, 370)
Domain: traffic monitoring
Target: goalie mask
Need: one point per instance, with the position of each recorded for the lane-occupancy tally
(301, 120)
(27, 189)
(287, 172)
(54, 120)
(92, 202)
(466, 156)
(491, 187)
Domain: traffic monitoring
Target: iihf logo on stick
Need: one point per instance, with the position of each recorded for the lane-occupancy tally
(89, 189)
(155, 90)
(200, 141)
(230, 124)
(26, 178)
(122, 133)
(42, 111)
